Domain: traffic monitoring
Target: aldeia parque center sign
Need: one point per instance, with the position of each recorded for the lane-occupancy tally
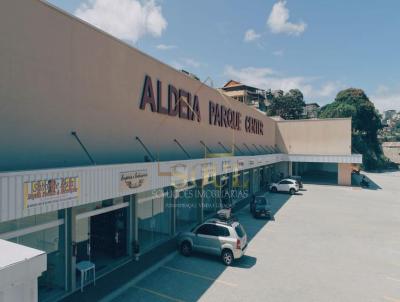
(185, 105)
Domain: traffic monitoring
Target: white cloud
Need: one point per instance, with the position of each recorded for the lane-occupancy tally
(278, 21)
(185, 63)
(267, 78)
(165, 47)
(177, 65)
(251, 35)
(386, 98)
(125, 19)
(329, 89)
(191, 62)
(278, 53)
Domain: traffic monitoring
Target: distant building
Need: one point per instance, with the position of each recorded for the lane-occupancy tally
(311, 110)
(390, 120)
(392, 151)
(388, 114)
(248, 95)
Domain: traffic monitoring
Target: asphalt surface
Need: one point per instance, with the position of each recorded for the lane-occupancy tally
(328, 243)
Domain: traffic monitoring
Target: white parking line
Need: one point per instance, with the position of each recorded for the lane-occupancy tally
(393, 279)
(390, 299)
(157, 293)
(115, 294)
(199, 276)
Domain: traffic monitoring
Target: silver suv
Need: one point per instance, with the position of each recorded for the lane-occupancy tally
(224, 238)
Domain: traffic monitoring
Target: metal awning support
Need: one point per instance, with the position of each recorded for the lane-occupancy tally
(244, 144)
(145, 148)
(256, 148)
(263, 149)
(270, 150)
(183, 149)
(236, 147)
(74, 134)
(205, 146)
(277, 149)
(223, 147)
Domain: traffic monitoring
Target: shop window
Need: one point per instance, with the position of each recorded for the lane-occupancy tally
(101, 234)
(154, 219)
(240, 186)
(26, 222)
(186, 205)
(211, 200)
(51, 283)
(256, 180)
(224, 191)
(236, 186)
(245, 189)
(49, 239)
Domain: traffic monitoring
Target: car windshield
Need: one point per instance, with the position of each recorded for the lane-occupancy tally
(239, 230)
(194, 228)
(261, 201)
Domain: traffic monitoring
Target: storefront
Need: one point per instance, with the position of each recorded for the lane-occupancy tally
(322, 173)
(122, 164)
(153, 220)
(44, 232)
(187, 206)
(101, 234)
(211, 201)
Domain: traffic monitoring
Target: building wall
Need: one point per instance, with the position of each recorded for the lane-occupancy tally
(322, 137)
(344, 174)
(60, 75)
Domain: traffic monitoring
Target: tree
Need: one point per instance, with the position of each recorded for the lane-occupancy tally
(366, 122)
(289, 106)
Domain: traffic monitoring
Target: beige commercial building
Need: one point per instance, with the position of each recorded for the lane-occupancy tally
(104, 147)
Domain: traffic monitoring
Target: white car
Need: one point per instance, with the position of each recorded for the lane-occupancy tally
(285, 185)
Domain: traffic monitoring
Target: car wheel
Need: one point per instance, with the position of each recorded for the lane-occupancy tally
(274, 190)
(292, 191)
(227, 257)
(186, 248)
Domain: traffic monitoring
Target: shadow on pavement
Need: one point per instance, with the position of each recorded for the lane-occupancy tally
(320, 178)
(188, 278)
(356, 181)
(245, 262)
(181, 278)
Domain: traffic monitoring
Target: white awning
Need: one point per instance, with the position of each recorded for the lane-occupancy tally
(342, 159)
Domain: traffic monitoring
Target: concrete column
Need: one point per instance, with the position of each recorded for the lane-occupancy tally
(135, 217)
(173, 214)
(200, 200)
(290, 164)
(72, 227)
(251, 181)
(68, 249)
(344, 174)
(131, 224)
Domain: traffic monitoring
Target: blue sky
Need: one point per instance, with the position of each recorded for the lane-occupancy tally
(317, 46)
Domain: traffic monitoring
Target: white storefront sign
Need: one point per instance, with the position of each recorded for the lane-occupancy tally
(49, 191)
(132, 180)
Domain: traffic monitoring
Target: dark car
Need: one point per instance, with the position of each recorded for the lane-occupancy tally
(298, 179)
(261, 207)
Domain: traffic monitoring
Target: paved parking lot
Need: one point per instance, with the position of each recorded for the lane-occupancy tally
(328, 243)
